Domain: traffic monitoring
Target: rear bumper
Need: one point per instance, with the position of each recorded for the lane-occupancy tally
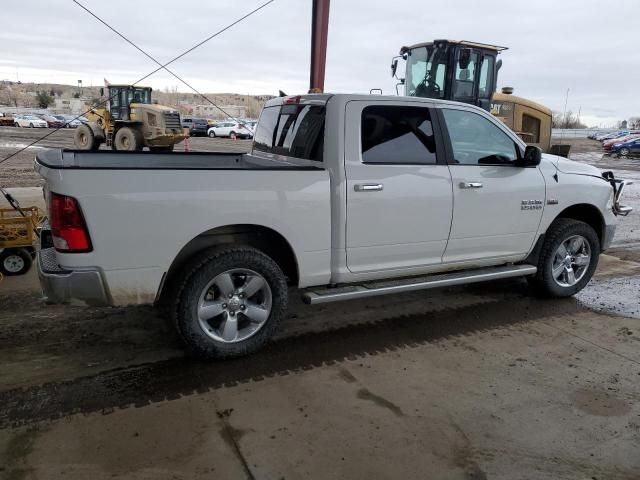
(62, 286)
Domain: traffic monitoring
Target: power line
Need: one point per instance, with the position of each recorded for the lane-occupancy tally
(146, 54)
(163, 66)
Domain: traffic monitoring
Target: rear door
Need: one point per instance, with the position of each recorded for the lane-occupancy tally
(399, 199)
(498, 204)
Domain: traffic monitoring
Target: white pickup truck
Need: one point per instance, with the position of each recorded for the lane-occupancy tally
(342, 196)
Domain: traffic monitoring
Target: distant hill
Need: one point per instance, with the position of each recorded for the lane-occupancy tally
(23, 95)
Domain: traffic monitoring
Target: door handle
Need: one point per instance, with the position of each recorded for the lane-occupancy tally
(367, 187)
(470, 185)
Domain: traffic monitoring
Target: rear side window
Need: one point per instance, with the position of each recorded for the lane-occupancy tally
(397, 135)
(291, 130)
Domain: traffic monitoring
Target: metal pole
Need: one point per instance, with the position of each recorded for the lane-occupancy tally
(564, 115)
(319, 32)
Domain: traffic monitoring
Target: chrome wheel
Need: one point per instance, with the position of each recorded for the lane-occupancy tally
(13, 263)
(571, 261)
(234, 305)
(624, 152)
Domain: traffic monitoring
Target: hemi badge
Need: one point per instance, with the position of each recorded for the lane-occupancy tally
(552, 201)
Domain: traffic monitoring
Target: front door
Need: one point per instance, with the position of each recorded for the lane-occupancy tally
(399, 200)
(497, 204)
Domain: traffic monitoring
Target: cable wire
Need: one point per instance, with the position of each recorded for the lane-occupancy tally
(162, 66)
(146, 54)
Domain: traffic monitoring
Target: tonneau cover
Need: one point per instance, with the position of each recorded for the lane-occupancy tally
(112, 160)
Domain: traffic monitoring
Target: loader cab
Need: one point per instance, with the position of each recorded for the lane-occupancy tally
(443, 69)
(122, 96)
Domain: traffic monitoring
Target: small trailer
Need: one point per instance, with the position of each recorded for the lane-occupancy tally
(18, 238)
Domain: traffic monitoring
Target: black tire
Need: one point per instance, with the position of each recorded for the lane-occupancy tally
(212, 134)
(232, 135)
(560, 231)
(128, 139)
(15, 261)
(84, 139)
(16, 124)
(31, 125)
(193, 282)
(624, 152)
(165, 149)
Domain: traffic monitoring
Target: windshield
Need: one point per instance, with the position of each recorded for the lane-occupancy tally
(138, 95)
(426, 72)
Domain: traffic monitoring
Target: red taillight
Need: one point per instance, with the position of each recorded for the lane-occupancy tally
(68, 229)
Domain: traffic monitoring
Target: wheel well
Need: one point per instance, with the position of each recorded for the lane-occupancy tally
(588, 214)
(262, 238)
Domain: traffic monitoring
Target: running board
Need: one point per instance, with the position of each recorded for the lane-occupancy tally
(372, 289)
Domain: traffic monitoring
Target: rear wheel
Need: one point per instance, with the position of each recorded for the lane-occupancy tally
(230, 303)
(16, 124)
(15, 261)
(84, 139)
(568, 259)
(128, 139)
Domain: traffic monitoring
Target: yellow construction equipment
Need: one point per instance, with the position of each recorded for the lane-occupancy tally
(130, 122)
(18, 238)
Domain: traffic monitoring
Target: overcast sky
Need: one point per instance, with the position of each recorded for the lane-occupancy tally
(590, 47)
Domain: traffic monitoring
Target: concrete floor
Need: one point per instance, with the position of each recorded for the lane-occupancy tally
(474, 382)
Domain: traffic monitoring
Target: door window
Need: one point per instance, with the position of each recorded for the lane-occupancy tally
(464, 79)
(486, 74)
(397, 135)
(477, 141)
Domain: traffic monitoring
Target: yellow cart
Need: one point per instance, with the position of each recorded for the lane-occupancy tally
(18, 238)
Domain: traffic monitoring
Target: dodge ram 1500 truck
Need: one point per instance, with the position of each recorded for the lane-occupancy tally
(342, 196)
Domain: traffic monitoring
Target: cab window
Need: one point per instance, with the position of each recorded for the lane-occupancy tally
(477, 141)
(397, 135)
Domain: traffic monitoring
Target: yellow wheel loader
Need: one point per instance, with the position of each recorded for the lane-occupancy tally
(130, 122)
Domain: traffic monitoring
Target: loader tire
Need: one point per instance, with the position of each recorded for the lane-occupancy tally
(128, 139)
(84, 139)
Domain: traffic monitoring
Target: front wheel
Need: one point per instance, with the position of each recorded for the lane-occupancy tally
(128, 139)
(568, 259)
(230, 303)
(212, 134)
(232, 135)
(624, 152)
(31, 125)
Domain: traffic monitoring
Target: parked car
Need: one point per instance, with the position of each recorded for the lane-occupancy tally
(631, 147)
(614, 135)
(608, 144)
(29, 121)
(71, 121)
(6, 120)
(197, 126)
(231, 130)
(342, 196)
(52, 122)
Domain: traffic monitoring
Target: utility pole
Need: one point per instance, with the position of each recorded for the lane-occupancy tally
(319, 33)
(564, 115)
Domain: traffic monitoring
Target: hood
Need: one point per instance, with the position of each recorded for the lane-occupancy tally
(565, 165)
(154, 107)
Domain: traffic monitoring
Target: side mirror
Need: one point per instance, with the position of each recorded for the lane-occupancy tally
(394, 67)
(532, 156)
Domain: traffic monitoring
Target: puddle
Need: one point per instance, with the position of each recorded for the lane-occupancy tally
(618, 296)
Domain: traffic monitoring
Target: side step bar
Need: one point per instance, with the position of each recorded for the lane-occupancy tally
(372, 289)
